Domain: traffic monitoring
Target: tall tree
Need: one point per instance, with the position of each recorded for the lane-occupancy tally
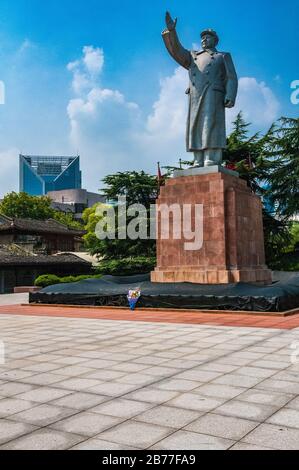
(283, 179)
(137, 188)
(25, 206)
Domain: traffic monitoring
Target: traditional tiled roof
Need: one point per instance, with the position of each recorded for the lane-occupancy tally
(9, 257)
(35, 226)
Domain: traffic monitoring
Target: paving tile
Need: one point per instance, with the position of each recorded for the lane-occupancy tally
(237, 380)
(278, 365)
(294, 404)
(288, 375)
(104, 375)
(86, 424)
(241, 409)
(196, 402)
(168, 416)
(74, 370)
(136, 379)
(46, 378)
(10, 389)
(265, 397)
(276, 437)
(77, 383)
(44, 439)
(112, 389)
(10, 406)
(43, 415)
(141, 435)
(215, 367)
(41, 367)
(194, 441)
(16, 374)
(285, 417)
(222, 426)
(122, 408)
(256, 372)
(10, 430)
(199, 375)
(244, 446)
(43, 394)
(178, 385)
(80, 400)
(278, 386)
(98, 444)
(152, 395)
(218, 390)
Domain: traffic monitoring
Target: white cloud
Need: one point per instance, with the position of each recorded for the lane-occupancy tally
(169, 111)
(111, 134)
(87, 69)
(93, 59)
(257, 102)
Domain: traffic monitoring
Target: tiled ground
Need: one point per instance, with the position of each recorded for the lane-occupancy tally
(75, 383)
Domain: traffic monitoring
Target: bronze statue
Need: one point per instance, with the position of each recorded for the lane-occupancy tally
(213, 86)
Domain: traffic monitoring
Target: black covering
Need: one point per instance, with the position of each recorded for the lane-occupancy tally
(112, 290)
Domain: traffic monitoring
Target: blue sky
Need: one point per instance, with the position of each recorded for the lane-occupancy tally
(129, 111)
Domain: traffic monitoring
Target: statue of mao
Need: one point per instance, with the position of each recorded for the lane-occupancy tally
(213, 87)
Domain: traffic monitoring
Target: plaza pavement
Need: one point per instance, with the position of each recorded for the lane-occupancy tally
(94, 383)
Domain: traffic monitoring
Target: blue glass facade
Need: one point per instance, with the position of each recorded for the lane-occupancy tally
(38, 175)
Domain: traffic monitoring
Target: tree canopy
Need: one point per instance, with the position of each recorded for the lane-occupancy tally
(138, 188)
(25, 206)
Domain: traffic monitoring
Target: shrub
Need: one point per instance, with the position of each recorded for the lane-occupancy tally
(127, 266)
(46, 280)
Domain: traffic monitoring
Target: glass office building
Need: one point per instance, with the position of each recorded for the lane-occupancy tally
(39, 175)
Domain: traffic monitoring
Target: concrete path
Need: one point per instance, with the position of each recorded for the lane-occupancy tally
(12, 299)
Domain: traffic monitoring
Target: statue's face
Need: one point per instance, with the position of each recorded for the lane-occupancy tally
(208, 41)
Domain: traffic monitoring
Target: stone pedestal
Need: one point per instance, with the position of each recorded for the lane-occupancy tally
(233, 241)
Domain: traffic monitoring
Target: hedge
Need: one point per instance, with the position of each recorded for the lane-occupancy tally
(46, 280)
(116, 267)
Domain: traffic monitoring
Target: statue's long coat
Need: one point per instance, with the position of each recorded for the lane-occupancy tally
(212, 80)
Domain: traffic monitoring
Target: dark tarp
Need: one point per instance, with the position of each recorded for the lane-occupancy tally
(112, 290)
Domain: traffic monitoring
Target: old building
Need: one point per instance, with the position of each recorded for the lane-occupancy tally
(20, 268)
(39, 236)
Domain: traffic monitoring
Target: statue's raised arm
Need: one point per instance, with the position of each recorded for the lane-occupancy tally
(169, 22)
(172, 43)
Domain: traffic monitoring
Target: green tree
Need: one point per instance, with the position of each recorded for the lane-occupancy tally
(138, 188)
(91, 218)
(23, 205)
(283, 178)
(68, 219)
(247, 154)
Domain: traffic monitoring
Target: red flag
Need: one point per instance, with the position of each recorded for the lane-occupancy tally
(159, 174)
(231, 166)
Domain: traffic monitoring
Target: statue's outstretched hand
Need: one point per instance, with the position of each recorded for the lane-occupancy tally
(229, 103)
(170, 23)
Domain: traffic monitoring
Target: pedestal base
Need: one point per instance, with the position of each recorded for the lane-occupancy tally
(233, 241)
(256, 276)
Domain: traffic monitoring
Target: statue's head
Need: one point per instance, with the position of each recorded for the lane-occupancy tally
(209, 39)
